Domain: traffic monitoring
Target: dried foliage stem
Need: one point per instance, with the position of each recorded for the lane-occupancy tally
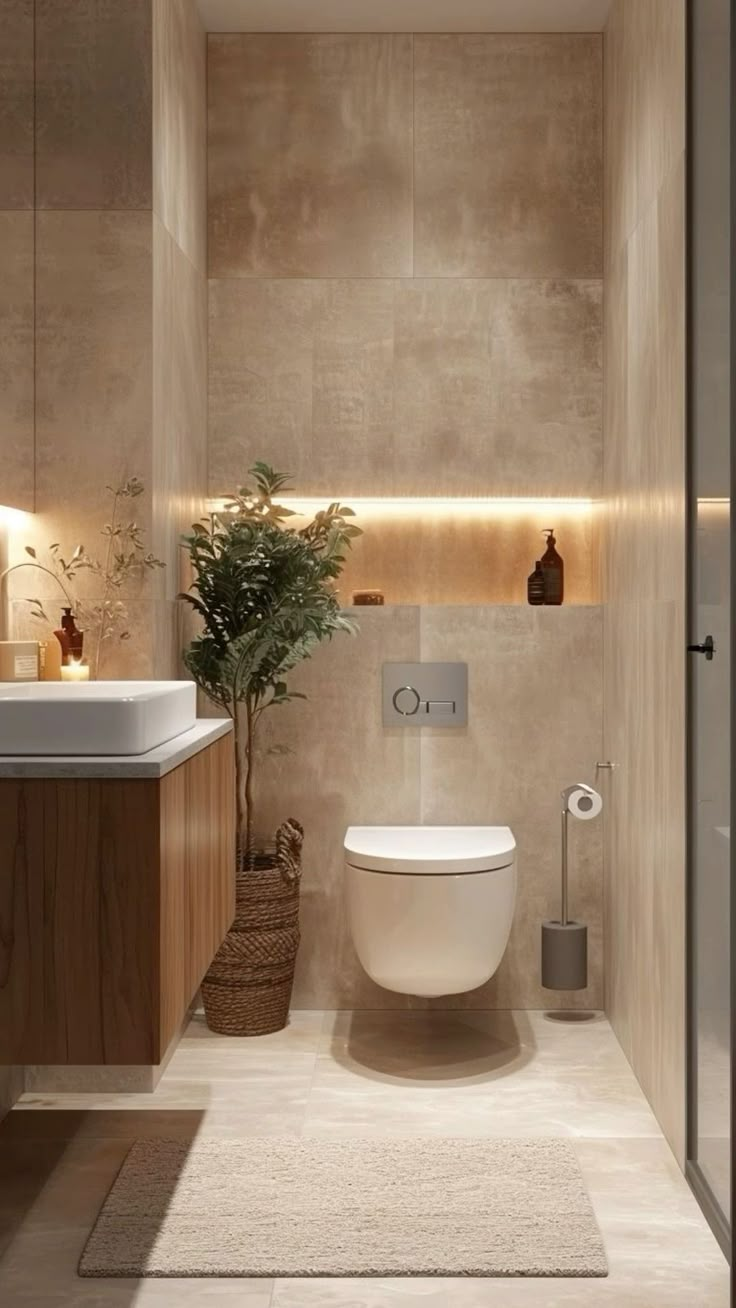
(40, 567)
(126, 561)
(107, 573)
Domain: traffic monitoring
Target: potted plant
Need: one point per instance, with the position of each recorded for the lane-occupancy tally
(265, 596)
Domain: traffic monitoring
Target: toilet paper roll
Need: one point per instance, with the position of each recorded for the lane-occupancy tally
(584, 802)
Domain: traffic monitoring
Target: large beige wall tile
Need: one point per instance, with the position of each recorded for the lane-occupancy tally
(180, 126)
(534, 726)
(16, 98)
(179, 475)
(508, 156)
(341, 768)
(498, 387)
(93, 369)
(260, 378)
(353, 415)
(310, 155)
(16, 360)
(644, 549)
(93, 104)
(301, 375)
(409, 387)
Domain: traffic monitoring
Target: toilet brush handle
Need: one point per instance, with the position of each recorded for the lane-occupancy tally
(563, 904)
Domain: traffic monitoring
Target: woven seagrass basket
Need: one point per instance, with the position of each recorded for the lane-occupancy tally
(247, 990)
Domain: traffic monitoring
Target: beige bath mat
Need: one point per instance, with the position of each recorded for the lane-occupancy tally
(359, 1207)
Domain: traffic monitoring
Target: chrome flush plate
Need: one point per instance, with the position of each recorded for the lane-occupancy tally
(425, 694)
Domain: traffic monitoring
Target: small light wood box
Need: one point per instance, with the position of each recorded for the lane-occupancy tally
(19, 660)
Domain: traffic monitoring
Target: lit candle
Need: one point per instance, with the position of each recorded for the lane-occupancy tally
(75, 671)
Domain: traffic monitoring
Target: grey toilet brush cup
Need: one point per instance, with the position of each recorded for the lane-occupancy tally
(565, 943)
(564, 956)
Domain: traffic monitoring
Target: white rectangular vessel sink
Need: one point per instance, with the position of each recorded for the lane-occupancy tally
(93, 717)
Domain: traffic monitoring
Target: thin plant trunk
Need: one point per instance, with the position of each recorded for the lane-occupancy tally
(106, 590)
(244, 718)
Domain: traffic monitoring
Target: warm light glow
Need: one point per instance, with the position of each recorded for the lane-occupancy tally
(75, 670)
(400, 506)
(14, 518)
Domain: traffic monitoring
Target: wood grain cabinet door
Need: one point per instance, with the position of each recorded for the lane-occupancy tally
(114, 897)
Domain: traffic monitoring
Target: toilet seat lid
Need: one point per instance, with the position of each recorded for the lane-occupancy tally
(429, 850)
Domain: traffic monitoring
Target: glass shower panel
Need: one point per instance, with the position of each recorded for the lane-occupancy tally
(710, 592)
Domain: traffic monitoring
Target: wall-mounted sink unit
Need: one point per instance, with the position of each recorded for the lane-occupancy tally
(96, 717)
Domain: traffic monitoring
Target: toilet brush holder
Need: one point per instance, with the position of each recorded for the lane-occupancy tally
(565, 943)
(564, 955)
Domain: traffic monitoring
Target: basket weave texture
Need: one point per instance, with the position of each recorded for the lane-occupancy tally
(247, 990)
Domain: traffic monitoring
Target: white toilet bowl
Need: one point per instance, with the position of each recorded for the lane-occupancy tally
(430, 908)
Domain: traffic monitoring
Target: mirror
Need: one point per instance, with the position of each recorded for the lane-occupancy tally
(17, 239)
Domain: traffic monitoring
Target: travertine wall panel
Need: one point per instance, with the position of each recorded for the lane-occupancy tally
(17, 474)
(508, 156)
(16, 97)
(644, 547)
(93, 104)
(310, 156)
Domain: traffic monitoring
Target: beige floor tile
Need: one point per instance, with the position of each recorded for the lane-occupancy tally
(39, 1264)
(222, 1092)
(301, 1036)
(517, 1102)
(470, 1073)
(426, 1072)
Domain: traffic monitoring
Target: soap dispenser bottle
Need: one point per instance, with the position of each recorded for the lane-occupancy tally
(535, 584)
(70, 638)
(553, 570)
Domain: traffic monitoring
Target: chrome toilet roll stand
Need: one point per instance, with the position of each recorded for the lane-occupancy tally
(565, 943)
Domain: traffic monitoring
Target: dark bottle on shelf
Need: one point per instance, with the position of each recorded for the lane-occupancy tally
(553, 570)
(535, 584)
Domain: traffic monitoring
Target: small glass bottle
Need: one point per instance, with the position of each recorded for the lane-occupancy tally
(535, 584)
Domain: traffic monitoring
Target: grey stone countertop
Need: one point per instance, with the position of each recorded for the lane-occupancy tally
(156, 763)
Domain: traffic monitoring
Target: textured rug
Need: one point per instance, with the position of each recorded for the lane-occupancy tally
(359, 1207)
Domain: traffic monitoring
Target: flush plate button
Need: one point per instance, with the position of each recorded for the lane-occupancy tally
(425, 694)
(406, 700)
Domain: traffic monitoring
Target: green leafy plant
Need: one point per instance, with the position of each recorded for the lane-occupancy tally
(265, 595)
(124, 561)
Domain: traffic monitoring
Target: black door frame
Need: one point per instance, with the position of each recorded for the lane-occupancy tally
(694, 1174)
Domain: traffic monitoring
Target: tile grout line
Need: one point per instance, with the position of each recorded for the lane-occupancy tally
(313, 1078)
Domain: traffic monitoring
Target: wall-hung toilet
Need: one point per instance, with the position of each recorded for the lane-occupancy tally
(430, 908)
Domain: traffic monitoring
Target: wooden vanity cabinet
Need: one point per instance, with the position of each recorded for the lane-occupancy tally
(115, 894)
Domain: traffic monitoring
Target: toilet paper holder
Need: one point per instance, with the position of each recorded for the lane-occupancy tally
(565, 943)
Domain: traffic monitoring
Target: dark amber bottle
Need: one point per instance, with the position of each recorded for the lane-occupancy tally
(535, 584)
(69, 637)
(553, 570)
